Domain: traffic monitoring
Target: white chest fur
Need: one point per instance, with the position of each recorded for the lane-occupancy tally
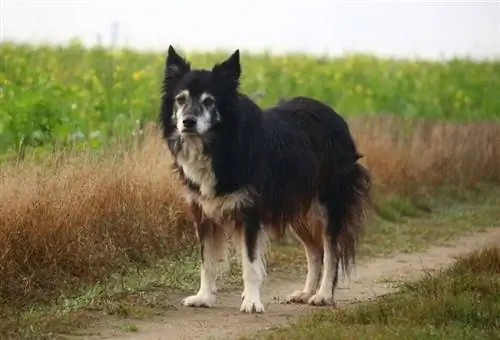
(197, 167)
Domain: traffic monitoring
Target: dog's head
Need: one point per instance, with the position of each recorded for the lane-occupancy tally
(194, 99)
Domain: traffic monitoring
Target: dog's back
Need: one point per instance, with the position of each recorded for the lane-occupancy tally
(321, 125)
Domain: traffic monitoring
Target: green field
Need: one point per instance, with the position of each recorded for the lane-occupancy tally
(55, 96)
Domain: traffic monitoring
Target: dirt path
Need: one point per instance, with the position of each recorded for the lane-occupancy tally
(369, 280)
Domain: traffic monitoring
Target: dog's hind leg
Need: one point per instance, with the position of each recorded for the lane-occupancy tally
(213, 245)
(309, 232)
(252, 240)
(329, 279)
(345, 200)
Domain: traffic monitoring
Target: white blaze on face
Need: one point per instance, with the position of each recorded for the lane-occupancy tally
(202, 114)
(204, 122)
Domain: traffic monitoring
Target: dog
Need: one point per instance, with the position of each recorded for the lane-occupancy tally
(250, 172)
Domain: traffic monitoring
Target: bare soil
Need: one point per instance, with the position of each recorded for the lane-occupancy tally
(370, 279)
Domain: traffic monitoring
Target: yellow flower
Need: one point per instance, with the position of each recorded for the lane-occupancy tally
(137, 75)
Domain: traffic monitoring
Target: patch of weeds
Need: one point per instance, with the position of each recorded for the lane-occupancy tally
(129, 327)
(462, 301)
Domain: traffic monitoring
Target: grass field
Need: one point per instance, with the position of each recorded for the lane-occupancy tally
(143, 293)
(85, 188)
(87, 216)
(55, 96)
(462, 301)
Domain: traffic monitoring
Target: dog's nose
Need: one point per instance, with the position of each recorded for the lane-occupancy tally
(189, 122)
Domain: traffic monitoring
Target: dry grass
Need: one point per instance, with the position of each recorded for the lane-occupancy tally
(460, 302)
(79, 219)
(84, 218)
(419, 153)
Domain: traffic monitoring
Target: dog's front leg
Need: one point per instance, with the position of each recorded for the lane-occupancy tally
(212, 247)
(252, 260)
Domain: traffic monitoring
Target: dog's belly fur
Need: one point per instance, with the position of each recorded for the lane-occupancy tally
(197, 167)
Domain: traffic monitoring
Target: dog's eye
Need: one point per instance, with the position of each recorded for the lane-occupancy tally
(208, 102)
(180, 100)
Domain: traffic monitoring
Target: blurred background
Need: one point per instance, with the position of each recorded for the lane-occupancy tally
(88, 71)
(427, 29)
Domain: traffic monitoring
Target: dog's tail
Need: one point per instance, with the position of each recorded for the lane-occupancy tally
(352, 199)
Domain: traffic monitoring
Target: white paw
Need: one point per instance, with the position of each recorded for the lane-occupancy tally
(199, 300)
(249, 306)
(319, 299)
(299, 296)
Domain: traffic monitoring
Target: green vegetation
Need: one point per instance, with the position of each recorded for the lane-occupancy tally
(462, 302)
(52, 97)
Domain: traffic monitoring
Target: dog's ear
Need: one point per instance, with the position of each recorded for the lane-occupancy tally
(229, 70)
(175, 65)
(175, 68)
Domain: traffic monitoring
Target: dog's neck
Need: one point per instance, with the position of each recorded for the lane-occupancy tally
(186, 146)
(191, 147)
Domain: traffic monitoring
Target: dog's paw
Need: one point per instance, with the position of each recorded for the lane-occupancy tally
(299, 296)
(321, 300)
(199, 300)
(249, 306)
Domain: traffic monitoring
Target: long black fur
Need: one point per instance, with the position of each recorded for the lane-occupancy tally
(290, 154)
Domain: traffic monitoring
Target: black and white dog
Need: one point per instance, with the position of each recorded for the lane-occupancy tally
(292, 165)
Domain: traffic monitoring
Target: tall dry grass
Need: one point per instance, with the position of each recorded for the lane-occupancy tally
(82, 218)
(76, 219)
(412, 155)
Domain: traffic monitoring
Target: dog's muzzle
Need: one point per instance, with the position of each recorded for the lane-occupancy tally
(189, 124)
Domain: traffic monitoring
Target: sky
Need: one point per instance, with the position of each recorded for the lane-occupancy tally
(428, 29)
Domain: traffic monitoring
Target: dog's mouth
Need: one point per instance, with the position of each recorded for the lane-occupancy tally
(192, 131)
(189, 131)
